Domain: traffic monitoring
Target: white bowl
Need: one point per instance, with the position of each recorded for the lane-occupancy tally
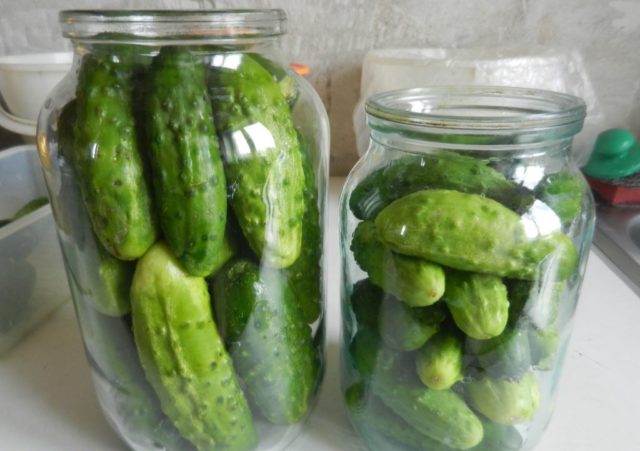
(25, 82)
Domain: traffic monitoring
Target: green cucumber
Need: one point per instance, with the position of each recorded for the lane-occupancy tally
(188, 177)
(107, 158)
(268, 338)
(414, 281)
(439, 361)
(508, 402)
(478, 303)
(305, 274)
(471, 233)
(183, 356)
(262, 157)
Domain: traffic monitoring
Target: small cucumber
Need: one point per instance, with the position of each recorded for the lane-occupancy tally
(509, 401)
(414, 281)
(268, 338)
(183, 356)
(107, 159)
(478, 303)
(188, 178)
(439, 361)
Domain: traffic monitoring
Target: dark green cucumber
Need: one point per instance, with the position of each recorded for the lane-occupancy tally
(262, 158)
(415, 281)
(108, 160)
(305, 273)
(188, 177)
(448, 171)
(183, 356)
(268, 338)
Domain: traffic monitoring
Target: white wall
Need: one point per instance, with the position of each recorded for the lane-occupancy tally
(332, 36)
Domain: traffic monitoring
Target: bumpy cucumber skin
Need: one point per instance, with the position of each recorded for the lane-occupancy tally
(305, 273)
(439, 361)
(414, 281)
(107, 159)
(371, 413)
(188, 177)
(184, 358)
(262, 159)
(471, 233)
(287, 84)
(455, 172)
(505, 356)
(508, 402)
(478, 303)
(269, 341)
(439, 414)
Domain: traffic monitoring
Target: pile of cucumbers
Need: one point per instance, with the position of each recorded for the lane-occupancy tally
(458, 313)
(197, 276)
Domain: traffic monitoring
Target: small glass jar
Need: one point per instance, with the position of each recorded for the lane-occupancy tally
(465, 231)
(187, 169)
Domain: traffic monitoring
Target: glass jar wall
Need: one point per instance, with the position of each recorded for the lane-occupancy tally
(465, 231)
(187, 168)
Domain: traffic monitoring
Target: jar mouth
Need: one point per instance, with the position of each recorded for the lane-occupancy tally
(525, 115)
(192, 25)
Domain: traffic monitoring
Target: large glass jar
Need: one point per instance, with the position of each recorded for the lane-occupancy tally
(465, 231)
(187, 168)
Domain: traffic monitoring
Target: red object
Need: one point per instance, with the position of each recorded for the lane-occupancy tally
(615, 195)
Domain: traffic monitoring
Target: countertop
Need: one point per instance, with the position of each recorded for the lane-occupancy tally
(47, 400)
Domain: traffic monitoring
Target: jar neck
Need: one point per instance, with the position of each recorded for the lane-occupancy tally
(481, 146)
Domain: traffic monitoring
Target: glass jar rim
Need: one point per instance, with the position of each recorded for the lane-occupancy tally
(478, 109)
(193, 25)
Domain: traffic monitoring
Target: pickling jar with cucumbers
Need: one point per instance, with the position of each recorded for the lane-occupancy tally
(465, 231)
(187, 169)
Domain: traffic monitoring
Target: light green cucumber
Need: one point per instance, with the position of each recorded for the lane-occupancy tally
(414, 281)
(471, 233)
(188, 178)
(439, 361)
(478, 303)
(183, 356)
(509, 401)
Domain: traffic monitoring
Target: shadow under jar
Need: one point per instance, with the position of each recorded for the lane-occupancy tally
(187, 168)
(465, 231)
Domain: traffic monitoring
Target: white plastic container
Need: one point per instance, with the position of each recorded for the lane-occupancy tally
(32, 277)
